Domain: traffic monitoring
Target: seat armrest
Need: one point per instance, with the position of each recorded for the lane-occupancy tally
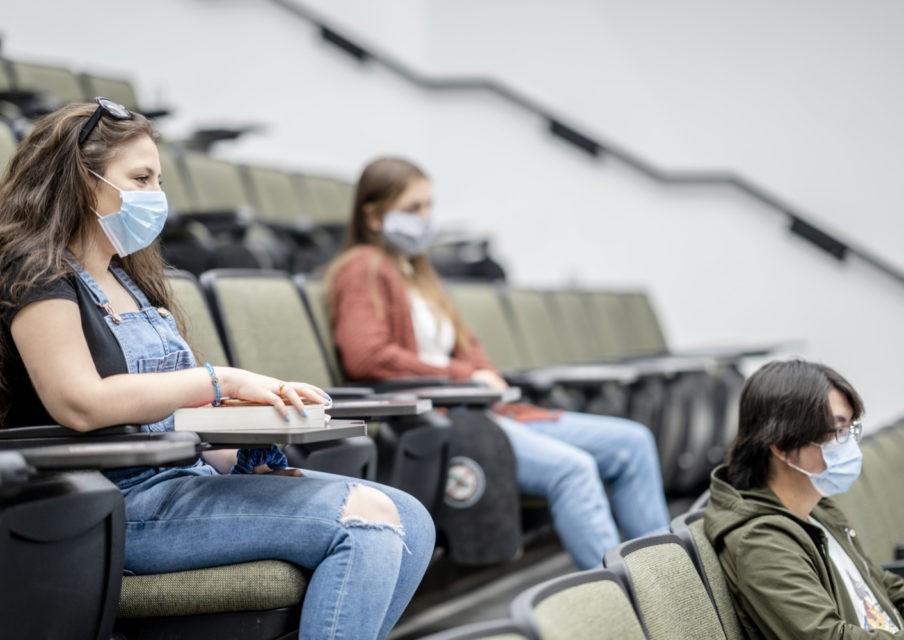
(588, 375)
(403, 384)
(114, 454)
(533, 383)
(19, 438)
(734, 353)
(370, 408)
(338, 393)
(473, 395)
(56, 431)
(668, 366)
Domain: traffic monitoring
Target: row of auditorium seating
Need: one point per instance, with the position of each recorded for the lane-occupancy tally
(262, 323)
(269, 321)
(872, 504)
(657, 587)
(224, 214)
(37, 85)
(31, 88)
(229, 214)
(671, 586)
(562, 336)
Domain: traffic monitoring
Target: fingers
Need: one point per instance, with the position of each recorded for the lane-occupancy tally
(296, 393)
(248, 386)
(289, 393)
(311, 393)
(315, 394)
(275, 397)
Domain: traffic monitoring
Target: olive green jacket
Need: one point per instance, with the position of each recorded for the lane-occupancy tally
(783, 584)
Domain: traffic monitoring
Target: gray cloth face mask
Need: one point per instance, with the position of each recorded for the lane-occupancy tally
(407, 234)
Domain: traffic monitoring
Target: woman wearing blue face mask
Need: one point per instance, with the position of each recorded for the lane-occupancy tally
(87, 341)
(794, 565)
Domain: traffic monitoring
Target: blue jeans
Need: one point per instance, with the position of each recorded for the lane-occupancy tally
(364, 573)
(564, 460)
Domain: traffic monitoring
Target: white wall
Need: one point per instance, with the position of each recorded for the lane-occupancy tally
(800, 98)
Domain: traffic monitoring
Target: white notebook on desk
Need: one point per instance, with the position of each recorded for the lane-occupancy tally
(237, 415)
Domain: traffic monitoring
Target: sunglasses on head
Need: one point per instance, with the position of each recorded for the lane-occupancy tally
(104, 106)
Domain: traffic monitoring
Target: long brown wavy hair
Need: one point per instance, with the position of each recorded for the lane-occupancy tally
(380, 184)
(47, 201)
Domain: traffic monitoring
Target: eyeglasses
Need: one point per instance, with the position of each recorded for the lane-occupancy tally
(104, 106)
(843, 434)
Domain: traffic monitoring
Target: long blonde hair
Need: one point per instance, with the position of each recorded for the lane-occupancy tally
(380, 185)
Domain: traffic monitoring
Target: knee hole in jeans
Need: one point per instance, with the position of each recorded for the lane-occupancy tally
(366, 505)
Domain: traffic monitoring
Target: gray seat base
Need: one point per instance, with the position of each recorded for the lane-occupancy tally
(250, 600)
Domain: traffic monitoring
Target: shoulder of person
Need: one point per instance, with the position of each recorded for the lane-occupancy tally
(14, 297)
(367, 260)
(777, 535)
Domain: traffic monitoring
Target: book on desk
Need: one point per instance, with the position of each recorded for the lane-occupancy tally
(243, 424)
(239, 415)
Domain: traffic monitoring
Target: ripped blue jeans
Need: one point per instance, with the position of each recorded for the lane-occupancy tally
(365, 571)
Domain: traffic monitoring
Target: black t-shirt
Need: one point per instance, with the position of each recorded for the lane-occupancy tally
(25, 408)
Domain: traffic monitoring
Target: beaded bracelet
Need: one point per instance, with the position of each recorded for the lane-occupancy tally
(217, 398)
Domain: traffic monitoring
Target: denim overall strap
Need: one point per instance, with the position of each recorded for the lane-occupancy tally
(149, 338)
(129, 284)
(97, 293)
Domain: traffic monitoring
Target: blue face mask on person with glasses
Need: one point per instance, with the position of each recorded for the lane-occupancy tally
(138, 222)
(843, 463)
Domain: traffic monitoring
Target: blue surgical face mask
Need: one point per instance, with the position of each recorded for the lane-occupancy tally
(843, 462)
(137, 223)
(407, 234)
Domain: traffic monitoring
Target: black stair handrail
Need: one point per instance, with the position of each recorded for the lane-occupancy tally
(595, 146)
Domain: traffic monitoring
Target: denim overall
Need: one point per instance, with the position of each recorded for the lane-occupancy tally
(181, 518)
(150, 342)
(149, 339)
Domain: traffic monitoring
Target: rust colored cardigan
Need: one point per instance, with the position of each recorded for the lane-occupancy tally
(371, 317)
(370, 314)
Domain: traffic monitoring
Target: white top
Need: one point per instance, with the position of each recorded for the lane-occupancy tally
(870, 613)
(434, 334)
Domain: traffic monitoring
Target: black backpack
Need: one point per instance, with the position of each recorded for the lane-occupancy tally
(480, 512)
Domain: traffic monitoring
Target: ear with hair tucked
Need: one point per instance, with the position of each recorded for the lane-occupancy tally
(372, 217)
(778, 453)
